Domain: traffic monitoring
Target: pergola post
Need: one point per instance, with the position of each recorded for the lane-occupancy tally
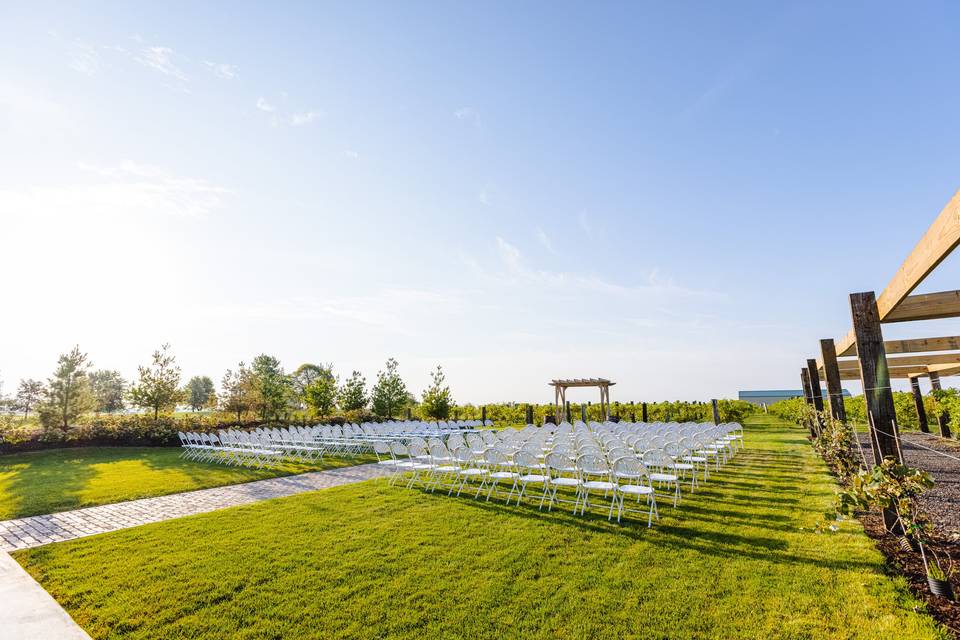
(716, 411)
(943, 420)
(529, 414)
(566, 405)
(831, 371)
(808, 397)
(644, 412)
(918, 404)
(583, 412)
(805, 381)
(483, 414)
(875, 379)
(874, 376)
(815, 390)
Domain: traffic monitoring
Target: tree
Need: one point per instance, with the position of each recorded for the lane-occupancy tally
(437, 398)
(108, 389)
(237, 391)
(321, 394)
(353, 393)
(272, 387)
(389, 394)
(29, 394)
(67, 394)
(199, 392)
(304, 376)
(159, 384)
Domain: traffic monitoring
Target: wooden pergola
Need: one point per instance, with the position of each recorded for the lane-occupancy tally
(560, 393)
(862, 354)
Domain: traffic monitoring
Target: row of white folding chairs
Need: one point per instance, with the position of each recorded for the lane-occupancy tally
(587, 477)
(238, 448)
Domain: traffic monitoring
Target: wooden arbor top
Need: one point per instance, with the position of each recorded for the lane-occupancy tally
(560, 393)
(898, 303)
(582, 382)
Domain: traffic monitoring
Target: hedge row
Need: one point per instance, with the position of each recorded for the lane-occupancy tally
(17, 434)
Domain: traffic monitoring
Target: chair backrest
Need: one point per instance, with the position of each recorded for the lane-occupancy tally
(629, 468)
(593, 466)
(525, 460)
(559, 463)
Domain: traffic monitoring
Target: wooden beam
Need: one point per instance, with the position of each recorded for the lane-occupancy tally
(874, 376)
(943, 420)
(941, 238)
(805, 381)
(828, 354)
(875, 379)
(815, 384)
(808, 396)
(918, 404)
(916, 345)
(952, 359)
(927, 306)
(847, 345)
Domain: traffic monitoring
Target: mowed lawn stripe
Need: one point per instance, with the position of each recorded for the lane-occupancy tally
(738, 559)
(57, 480)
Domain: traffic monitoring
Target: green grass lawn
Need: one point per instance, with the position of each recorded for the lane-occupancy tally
(63, 479)
(736, 560)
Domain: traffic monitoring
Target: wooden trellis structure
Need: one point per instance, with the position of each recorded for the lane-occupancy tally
(560, 393)
(863, 353)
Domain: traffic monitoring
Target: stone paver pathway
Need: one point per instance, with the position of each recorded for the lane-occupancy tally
(23, 533)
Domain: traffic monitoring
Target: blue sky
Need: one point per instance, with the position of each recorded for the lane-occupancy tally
(675, 196)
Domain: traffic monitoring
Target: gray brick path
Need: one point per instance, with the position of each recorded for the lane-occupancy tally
(23, 533)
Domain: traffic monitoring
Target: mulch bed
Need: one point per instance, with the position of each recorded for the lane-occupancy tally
(941, 505)
(910, 566)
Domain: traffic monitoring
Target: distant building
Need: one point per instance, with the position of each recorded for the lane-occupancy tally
(769, 396)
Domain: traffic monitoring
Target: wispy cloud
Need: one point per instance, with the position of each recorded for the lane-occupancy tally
(516, 272)
(263, 105)
(122, 190)
(351, 154)
(84, 59)
(161, 59)
(305, 117)
(544, 240)
(221, 69)
(468, 114)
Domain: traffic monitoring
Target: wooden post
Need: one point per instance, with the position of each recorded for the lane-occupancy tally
(918, 404)
(483, 414)
(808, 397)
(633, 416)
(529, 414)
(828, 350)
(874, 375)
(943, 420)
(805, 381)
(583, 412)
(716, 412)
(567, 407)
(409, 415)
(644, 412)
(875, 378)
(815, 390)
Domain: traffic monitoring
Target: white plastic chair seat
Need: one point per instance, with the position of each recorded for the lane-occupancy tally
(707, 452)
(635, 489)
(566, 482)
(681, 466)
(504, 475)
(447, 468)
(599, 485)
(473, 472)
(694, 459)
(406, 464)
(663, 477)
(389, 463)
(533, 477)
